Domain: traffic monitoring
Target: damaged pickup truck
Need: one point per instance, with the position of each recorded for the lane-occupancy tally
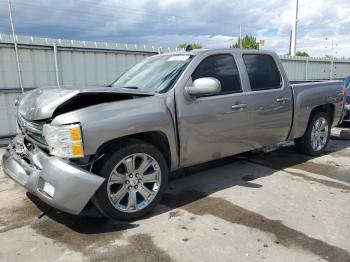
(116, 146)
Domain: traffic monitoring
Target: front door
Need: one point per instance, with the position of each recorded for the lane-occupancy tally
(213, 127)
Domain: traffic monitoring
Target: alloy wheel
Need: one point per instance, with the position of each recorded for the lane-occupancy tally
(319, 134)
(134, 182)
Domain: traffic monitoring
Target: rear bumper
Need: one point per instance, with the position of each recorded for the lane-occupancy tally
(32, 169)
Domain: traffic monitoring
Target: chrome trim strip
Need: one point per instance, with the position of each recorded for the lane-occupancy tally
(29, 125)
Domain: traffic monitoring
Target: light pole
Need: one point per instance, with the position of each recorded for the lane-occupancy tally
(16, 48)
(293, 45)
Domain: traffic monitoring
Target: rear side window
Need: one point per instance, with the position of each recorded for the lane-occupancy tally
(223, 68)
(262, 72)
(347, 83)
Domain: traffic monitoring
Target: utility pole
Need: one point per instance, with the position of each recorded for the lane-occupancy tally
(240, 36)
(293, 44)
(16, 48)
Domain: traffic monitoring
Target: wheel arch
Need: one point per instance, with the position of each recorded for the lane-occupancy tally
(305, 144)
(326, 108)
(156, 138)
(302, 119)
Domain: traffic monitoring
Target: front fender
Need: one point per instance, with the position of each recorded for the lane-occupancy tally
(105, 122)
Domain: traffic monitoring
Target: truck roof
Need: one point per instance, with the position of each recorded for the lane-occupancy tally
(208, 50)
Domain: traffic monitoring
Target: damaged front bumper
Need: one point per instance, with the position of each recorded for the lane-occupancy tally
(59, 184)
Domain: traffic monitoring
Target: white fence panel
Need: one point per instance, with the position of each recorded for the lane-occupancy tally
(85, 64)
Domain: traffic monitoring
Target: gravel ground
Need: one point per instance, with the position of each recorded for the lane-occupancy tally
(263, 206)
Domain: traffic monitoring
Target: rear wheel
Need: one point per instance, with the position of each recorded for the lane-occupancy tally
(316, 137)
(136, 175)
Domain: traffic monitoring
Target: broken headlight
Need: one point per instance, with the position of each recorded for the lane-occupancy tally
(64, 141)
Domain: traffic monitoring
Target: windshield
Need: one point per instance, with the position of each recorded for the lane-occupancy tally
(154, 74)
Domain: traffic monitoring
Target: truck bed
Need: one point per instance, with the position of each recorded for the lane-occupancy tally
(309, 95)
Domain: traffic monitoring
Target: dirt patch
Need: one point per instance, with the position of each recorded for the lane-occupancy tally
(175, 213)
(323, 170)
(336, 164)
(12, 218)
(340, 148)
(283, 161)
(336, 154)
(81, 234)
(140, 248)
(94, 237)
(321, 181)
(87, 235)
(197, 203)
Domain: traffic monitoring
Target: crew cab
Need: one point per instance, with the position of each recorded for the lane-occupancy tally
(116, 146)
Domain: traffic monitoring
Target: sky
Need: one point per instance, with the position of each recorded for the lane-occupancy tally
(213, 23)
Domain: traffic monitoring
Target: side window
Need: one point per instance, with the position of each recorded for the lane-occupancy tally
(222, 67)
(262, 72)
(347, 83)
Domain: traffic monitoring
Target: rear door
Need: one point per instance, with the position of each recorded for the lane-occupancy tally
(270, 99)
(215, 126)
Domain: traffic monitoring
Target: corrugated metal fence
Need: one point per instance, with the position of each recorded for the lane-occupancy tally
(8, 112)
(79, 64)
(311, 68)
(46, 62)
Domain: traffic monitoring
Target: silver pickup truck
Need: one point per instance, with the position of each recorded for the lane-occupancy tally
(116, 146)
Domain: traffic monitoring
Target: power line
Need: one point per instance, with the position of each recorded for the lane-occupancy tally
(16, 48)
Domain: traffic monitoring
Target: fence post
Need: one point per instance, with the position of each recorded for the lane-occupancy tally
(56, 64)
(331, 70)
(307, 68)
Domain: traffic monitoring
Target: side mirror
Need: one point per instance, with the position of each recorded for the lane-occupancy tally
(204, 86)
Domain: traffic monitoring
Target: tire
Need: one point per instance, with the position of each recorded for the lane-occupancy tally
(125, 195)
(306, 144)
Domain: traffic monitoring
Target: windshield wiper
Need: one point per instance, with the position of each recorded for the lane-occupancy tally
(130, 87)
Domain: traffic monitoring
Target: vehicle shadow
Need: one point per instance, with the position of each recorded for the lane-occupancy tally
(194, 183)
(90, 221)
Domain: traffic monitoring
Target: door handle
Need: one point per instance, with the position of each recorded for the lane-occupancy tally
(282, 99)
(239, 106)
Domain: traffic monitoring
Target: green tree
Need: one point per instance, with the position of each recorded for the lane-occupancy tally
(189, 47)
(301, 53)
(248, 42)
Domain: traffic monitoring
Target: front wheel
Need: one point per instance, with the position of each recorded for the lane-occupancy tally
(136, 175)
(316, 137)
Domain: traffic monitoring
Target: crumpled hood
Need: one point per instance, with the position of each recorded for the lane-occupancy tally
(40, 104)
